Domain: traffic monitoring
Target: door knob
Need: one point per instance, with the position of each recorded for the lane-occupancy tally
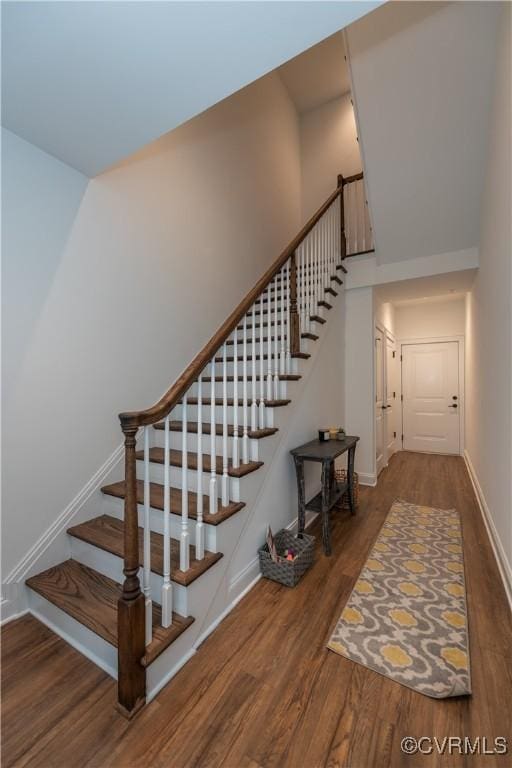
(452, 406)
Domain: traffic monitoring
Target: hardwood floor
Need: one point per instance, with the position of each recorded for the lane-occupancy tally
(263, 691)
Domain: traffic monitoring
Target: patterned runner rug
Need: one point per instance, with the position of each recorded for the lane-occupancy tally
(406, 617)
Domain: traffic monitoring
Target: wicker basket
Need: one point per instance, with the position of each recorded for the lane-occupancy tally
(288, 572)
(341, 477)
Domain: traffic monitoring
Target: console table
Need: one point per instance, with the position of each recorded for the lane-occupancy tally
(324, 453)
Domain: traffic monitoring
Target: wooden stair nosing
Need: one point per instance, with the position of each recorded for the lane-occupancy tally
(282, 377)
(318, 319)
(337, 279)
(325, 304)
(264, 300)
(156, 491)
(91, 599)
(343, 268)
(230, 401)
(156, 456)
(177, 426)
(107, 533)
(294, 355)
(231, 342)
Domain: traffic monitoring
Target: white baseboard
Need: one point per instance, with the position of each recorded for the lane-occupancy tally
(497, 547)
(367, 478)
(9, 612)
(15, 579)
(215, 623)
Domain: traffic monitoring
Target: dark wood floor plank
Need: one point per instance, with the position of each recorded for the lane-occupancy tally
(263, 690)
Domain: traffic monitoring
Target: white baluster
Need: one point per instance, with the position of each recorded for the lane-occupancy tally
(325, 227)
(288, 351)
(225, 460)
(269, 342)
(167, 586)
(214, 501)
(235, 450)
(276, 341)
(356, 225)
(309, 268)
(245, 416)
(261, 411)
(317, 266)
(147, 543)
(254, 369)
(301, 286)
(199, 508)
(184, 537)
(348, 230)
(282, 354)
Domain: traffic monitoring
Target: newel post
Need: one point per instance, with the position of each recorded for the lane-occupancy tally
(294, 315)
(131, 684)
(343, 239)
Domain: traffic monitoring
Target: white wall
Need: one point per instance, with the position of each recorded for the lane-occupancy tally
(328, 146)
(144, 67)
(110, 289)
(489, 323)
(422, 81)
(359, 384)
(384, 313)
(431, 318)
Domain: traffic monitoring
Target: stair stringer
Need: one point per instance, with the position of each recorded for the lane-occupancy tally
(317, 400)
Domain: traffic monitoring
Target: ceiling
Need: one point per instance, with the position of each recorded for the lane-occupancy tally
(318, 75)
(92, 82)
(450, 285)
(422, 76)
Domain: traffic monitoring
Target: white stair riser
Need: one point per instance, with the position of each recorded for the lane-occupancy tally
(283, 385)
(186, 600)
(156, 475)
(194, 442)
(80, 637)
(115, 508)
(192, 414)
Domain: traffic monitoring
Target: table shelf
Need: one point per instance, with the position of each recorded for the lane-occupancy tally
(315, 504)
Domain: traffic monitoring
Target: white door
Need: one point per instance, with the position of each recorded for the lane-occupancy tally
(430, 388)
(379, 402)
(391, 387)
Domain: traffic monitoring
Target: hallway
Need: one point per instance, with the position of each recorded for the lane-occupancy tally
(263, 691)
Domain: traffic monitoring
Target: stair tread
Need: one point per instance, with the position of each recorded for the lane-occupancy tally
(299, 355)
(156, 492)
(231, 342)
(156, 455)
(325, 304)
(318, 319)
(337, 279)
(254, 434)
(91, 599)
(342, 267)
(282, 377)
(106, 532)
(230, 401)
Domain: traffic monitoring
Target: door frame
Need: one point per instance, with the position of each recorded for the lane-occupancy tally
(380, 329)
(462, 398)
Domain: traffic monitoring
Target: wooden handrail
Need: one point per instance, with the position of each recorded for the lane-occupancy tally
(355, 177)
(182, 384)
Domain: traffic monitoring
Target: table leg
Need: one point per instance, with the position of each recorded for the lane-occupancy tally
(350, 478)
(326, 497)
(299, 470)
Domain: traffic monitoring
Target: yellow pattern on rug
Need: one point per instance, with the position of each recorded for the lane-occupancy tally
(406, 617)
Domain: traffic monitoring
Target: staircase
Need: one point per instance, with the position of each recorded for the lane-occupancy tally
(144, 569)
